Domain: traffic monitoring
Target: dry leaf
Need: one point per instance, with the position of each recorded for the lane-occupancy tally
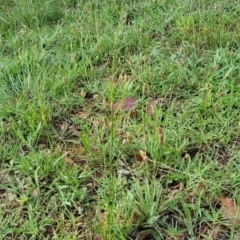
(138, 157)
(142, 156)
(215, 232)
(68, 161)
(151, 105)
(133, 114)
(82, 115)
(229, 210)
(160, 135)
(69, 129)
(135, 218)
(125, 104)
(126, 138)
(73, 131)
(10, 196)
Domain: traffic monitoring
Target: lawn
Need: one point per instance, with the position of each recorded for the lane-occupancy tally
(119, 119)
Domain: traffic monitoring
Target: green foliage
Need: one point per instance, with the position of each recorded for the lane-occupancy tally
(74, 167)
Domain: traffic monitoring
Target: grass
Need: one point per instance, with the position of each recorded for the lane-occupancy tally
(71, 167)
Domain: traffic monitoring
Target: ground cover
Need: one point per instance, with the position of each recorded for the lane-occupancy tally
(119, 119)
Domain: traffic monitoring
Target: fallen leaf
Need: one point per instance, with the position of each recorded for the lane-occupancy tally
(67, 128)
(142, 156)
(73, 131)
(229, 210)
(151, 105)
(133, 114)
(160, 135)
(126, 138)
(82, 115)
(125, 104)
(215, 232)
(135, 218)
(10, 196)
(68, 161)
(138, 157)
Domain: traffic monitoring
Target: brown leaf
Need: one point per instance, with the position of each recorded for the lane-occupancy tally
(73, 131)
(151, 105)
(229, 210)
(138, 157)
(125, 104)
(133, 114)
(126, 138)
(160, 135)
(82, 115)
(135, 218)
(216, 230)
(142, 156)
(69, 161)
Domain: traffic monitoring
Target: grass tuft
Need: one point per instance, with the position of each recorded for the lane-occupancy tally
(75, 166)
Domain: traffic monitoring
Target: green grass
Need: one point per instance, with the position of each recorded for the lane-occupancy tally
(71, 166)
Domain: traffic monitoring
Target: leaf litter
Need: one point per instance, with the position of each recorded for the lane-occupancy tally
(230, 210)
(151, 106)
(125, 104)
